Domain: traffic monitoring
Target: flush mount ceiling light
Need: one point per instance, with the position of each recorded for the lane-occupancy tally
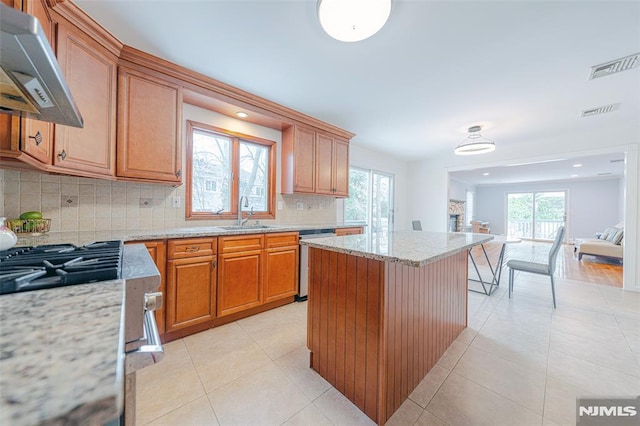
(475, 143)
(353, 20)
(242, 114)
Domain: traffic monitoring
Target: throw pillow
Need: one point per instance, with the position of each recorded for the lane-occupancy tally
(617, 238)
(605, 234)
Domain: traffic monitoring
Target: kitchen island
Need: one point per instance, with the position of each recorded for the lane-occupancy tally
(383, 308)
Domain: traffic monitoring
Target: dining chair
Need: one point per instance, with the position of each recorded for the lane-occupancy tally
(539, 268)
(417, 225)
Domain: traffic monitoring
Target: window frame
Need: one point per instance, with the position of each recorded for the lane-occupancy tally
(236, 138)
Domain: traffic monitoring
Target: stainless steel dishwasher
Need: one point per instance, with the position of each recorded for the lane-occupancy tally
(307, 234)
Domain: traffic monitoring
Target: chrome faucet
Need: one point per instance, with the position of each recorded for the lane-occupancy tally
(246, 204)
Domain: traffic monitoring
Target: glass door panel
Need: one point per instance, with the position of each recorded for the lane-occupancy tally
(549, 214)
(520, 215)
(382, 202)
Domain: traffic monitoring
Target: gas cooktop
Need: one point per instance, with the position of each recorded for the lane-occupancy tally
(50, 266)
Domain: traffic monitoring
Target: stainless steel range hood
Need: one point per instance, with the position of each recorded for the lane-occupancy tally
(31, 83)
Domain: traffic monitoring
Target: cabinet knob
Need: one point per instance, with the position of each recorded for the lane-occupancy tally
(179, 173)
(62, 154)
(37, 138)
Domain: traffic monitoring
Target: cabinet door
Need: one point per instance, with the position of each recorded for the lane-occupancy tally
(22, 135)
(324, 164)
(158, 252)
(149, 138)
(281, 273)
(191, 295)
(239, 281)
(90, 71)
(341, 168)
(304, 158)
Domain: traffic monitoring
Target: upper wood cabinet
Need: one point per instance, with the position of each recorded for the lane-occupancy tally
(314, 162)
(298, 160)
(20, 138)
(91, 73)
(149, 136)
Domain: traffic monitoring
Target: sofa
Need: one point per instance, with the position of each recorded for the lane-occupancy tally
(608, 244)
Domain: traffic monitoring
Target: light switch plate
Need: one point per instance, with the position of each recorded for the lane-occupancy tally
(176, 202)
(299, 206)
(280, 205)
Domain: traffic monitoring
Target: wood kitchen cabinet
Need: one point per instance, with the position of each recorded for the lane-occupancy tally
(191, 283)
(90, 70)
(314, 162)
(332, 165)
(240, 273)
(281, 257)
(30, 141)
(149, 121)
(349, 231)
(298, 160)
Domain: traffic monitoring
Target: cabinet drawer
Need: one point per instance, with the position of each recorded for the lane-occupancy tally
(191, 247)
(348, 231)
(284, 239)
(240, 243)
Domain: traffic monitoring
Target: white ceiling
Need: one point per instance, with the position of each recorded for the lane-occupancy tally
(605, 166)
(518, 67)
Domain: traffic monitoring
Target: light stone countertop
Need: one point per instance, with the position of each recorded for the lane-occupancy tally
(413, 248)
(61, 355)
(82, 237)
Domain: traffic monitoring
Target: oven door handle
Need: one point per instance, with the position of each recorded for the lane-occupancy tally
(150, 353)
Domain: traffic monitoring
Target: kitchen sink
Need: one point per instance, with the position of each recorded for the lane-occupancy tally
(238, 227)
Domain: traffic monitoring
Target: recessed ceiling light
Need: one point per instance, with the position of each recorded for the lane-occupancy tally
(574, 176)
(485, 174)
(577, 165)
(242, 114)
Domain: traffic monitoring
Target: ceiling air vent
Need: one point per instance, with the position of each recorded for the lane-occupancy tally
(600, 110)
(604, 174)
(617, 65)
(617, 160)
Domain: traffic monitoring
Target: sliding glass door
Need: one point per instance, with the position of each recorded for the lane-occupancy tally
(535, 215)
(370, 199)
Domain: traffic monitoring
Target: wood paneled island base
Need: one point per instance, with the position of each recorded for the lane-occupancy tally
(376, 328)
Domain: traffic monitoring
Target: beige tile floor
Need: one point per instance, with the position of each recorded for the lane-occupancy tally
(520, 362)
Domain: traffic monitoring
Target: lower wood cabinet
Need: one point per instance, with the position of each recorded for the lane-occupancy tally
(349, 231)
(191, 283)
(191, 296)
(240, 281)
(281, 266)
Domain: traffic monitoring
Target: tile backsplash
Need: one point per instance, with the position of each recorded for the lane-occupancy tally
(83, 204)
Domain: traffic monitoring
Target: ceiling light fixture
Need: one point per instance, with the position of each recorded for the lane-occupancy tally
(475, 143)
(485, 174)
(242, 114)
(353, 20)
(577, 165)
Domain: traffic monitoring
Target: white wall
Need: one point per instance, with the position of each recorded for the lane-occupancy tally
(429, 197)
(382, 162)
(458, 190)
(583, 220)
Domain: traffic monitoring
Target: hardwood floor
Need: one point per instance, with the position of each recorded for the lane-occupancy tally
(590, 269)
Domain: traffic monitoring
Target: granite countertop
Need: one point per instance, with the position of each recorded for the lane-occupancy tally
(82, 237)
(413, 248)
(61, 355)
